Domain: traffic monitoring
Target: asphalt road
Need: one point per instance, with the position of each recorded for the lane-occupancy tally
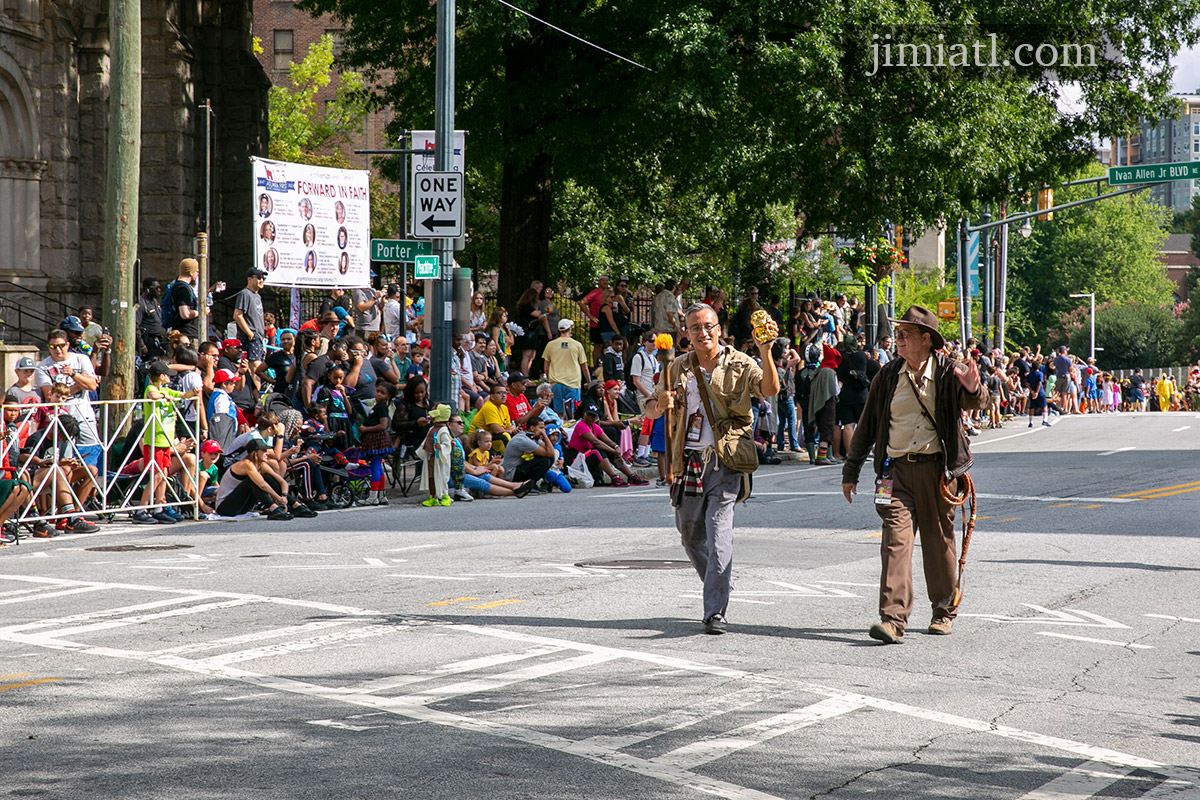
(551, 647)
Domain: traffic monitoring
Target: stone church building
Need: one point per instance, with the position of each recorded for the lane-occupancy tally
(54, 91)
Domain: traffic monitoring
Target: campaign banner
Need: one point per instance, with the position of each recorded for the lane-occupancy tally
(312, 225)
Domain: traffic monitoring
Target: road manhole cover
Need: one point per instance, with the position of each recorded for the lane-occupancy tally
(128, 548)
(636, 563)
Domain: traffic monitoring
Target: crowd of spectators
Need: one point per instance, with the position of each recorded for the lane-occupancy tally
(261, 419)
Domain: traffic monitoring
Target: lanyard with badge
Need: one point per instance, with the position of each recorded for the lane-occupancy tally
(695, 423)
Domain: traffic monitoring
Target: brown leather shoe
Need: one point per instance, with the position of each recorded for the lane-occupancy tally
(941, 626)
(887, 633)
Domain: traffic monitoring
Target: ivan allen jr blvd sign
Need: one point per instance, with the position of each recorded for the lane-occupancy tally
(1154, 173)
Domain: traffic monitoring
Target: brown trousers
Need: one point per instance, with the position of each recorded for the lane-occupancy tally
(917, 504)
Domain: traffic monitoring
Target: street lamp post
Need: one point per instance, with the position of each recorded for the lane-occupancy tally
(1091, 296)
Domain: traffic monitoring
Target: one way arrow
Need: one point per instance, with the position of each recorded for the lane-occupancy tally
(1081, 618)
(433, 224)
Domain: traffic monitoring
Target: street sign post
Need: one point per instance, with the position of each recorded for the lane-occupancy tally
(1154, 173)
(438, 205)
(398, 251)
(428, 268)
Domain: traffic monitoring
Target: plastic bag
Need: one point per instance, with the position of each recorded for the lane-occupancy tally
(626, 445)
(579, 474)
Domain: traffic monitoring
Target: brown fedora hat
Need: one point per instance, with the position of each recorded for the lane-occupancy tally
(926, 320)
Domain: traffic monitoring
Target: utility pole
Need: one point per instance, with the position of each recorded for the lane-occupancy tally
(122, 186)
(202, 238)
(442, 388)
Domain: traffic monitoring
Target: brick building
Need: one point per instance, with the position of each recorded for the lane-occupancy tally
(285, 34)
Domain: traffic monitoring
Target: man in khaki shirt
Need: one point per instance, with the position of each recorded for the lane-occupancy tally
(913, 418)
(566, 366)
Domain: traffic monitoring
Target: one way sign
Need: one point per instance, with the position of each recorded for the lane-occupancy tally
(438, 205)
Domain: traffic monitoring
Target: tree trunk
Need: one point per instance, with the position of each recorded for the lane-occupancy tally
(525, 201)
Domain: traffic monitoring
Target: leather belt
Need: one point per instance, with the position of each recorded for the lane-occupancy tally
(917, 458)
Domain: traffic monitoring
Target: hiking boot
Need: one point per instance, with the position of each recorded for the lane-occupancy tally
(886, 632)
(941, 626)
(715, 625)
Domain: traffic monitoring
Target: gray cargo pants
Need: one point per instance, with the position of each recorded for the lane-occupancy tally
(705, 524)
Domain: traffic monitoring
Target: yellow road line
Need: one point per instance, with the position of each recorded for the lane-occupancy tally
(979, 518)
(28, 683)
(1010, 519)
(15, 675)
(1098, 505)
(1168, 494)
(1061, 505)
(1160, 489)
(496, 603)
(449, 602)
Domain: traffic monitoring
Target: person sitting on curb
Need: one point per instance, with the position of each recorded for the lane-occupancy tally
(250, 482)
(602, 455)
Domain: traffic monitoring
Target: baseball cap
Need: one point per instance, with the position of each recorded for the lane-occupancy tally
(223, 376)
(565, 324)
(211, 446)
(72, 324)
(393, 288)
(590, 408)
(254, 443)
(255, 272)
(425, 343)
(230, 343)
(515, 377)
(25, 363)
(161, 368)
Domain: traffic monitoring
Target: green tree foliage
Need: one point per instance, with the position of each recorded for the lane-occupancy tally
(300, 131)
(1109, 247)
(748, 106)
(1127, 335)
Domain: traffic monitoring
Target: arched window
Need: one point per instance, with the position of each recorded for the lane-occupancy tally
(20, 175)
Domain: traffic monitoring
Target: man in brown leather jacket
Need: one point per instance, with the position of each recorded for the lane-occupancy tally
(913, 419)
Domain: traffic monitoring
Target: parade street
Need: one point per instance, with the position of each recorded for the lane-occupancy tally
(551, 647)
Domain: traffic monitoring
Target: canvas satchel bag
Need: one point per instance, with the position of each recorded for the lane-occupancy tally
(733, 439)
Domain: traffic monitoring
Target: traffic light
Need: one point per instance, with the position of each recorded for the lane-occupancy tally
(1045, 199)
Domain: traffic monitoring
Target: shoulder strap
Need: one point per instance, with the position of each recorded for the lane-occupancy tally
(702, 387)
(912, 382)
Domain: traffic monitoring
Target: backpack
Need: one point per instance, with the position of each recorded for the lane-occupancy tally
(170, 312)
(804, 386)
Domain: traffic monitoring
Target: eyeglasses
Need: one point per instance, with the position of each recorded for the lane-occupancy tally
(696, 330)
(456, 422)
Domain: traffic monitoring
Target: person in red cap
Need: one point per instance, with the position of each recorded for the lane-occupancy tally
(210, 474)
(821, 412)
(222, 413)
(913, 420)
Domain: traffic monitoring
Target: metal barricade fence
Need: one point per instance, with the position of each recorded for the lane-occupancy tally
(64, 486)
